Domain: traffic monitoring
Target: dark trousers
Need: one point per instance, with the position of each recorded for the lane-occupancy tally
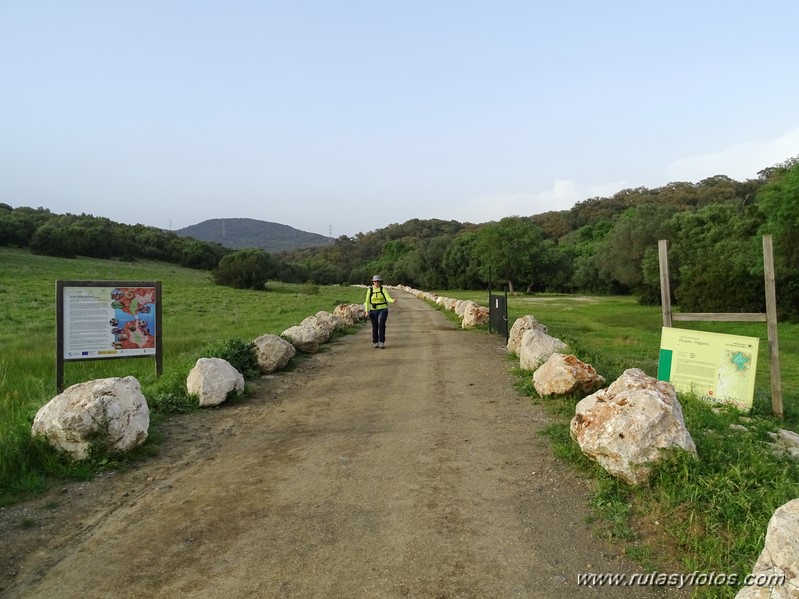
(378, 318)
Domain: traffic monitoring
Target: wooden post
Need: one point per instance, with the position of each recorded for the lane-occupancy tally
(665, 289)
(771, 319)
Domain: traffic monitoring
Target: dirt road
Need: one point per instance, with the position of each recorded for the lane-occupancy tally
(414, 471)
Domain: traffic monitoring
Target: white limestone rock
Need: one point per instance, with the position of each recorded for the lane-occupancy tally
(349, 314)
(474, 315)
(212, 380)
(780, 557)
(536, 347)
(517, 330)
(273, 352)
(564, 374)
(323, 327)
(461, 305)
(110, 414)
(625, 427)
(304, 338)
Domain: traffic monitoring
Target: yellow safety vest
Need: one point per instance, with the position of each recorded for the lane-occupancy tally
(377, 299)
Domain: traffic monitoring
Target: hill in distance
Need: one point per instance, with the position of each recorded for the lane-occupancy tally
(242, 233)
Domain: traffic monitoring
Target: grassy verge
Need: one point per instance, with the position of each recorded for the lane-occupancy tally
(706, 515)
(199, 319)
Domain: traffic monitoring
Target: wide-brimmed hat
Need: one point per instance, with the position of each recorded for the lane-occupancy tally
(377, 278)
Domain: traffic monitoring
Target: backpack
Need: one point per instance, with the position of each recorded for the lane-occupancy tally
(383, 303)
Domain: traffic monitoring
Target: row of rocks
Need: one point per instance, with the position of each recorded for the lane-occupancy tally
(213, 380)
(316, 329)
(470, 312)
(111, 415)
(555, 373)
(626, 427)
(623, 428)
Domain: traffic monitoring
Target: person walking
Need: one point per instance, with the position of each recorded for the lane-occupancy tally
(376, 305)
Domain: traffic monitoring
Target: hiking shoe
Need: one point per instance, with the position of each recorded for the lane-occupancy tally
(382, 346)
(376, 345)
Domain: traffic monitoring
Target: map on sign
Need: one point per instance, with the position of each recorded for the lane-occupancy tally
(715, 366)
(734, 373)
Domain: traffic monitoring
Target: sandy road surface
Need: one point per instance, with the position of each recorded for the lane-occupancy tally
(413, 471)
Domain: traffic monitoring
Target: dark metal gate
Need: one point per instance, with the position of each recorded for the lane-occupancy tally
(498, 314)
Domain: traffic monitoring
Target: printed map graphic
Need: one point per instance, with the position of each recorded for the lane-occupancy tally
(733, 374)
(134, 323)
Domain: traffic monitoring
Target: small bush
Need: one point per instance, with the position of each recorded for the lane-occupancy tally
(168, 395)
(310, 288)
(237, 352)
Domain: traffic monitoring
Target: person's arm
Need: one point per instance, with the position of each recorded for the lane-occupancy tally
(366, 301)
(389, 299)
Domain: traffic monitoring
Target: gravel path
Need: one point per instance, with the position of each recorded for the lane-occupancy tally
(414, 471)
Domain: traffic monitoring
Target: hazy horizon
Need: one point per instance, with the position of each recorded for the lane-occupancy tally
(340, 119)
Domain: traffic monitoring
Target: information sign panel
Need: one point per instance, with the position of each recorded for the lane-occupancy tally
(715, 366)
(108, 322)
(107, 319)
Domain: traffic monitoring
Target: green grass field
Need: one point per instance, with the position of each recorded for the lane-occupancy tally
(614, 333)
(196, 314)
(707, 515)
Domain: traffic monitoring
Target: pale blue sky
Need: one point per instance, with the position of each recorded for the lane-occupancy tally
(350, 116)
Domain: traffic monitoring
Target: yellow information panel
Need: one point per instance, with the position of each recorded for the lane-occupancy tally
(717, 367)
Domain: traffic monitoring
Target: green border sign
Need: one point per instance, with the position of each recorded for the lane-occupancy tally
(714, 366)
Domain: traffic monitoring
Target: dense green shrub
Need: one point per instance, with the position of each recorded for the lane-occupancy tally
(244, 269)
(239, 353)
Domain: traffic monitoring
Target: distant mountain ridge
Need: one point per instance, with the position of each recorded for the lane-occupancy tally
(241, 233)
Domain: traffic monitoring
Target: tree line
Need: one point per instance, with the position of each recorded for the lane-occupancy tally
(601, 245)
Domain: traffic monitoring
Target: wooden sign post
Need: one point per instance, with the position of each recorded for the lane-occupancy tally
(770, 317)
